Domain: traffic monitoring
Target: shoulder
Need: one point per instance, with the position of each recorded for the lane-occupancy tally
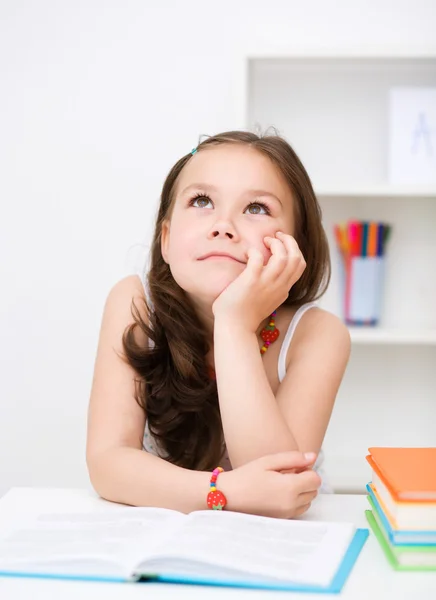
(124, 300)
(130, 286)
(124, 291)
(319, 328)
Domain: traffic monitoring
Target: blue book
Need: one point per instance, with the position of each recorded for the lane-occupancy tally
(212, 548)
(400, 537)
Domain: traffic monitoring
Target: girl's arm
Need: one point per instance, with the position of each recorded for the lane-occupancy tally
(122, 472)
(257, 423)
(119, 469)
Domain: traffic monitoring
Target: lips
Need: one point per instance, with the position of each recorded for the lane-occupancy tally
(220, 255)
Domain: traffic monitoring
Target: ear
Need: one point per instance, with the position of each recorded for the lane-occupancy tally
(165, 239)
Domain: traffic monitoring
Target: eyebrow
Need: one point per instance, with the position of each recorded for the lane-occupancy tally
(211, 188)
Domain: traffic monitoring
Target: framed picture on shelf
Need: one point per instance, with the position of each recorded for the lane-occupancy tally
(412, 135)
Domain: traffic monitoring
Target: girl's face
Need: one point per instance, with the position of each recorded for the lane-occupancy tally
(227, 199)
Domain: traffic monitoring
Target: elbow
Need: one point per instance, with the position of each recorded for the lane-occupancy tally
(113, 477)
(100, 476)
(275, 445)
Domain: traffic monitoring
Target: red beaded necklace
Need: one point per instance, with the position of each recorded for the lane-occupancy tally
(269, 334)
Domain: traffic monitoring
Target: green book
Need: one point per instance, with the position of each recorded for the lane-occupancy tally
(402, 558)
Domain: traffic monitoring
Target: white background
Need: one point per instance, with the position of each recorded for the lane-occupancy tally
(98, 99)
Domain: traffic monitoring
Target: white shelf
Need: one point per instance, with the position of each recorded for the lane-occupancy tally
(380, 191)
(335, 114)
(376, 335)
(334, 111)
(268, 50)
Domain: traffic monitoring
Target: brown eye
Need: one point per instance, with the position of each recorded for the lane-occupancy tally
(258, 207)
(202, 201)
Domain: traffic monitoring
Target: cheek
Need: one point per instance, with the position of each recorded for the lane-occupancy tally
(181, 244)
(258, 243)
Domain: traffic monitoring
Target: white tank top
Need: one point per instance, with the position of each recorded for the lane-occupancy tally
(150, 444)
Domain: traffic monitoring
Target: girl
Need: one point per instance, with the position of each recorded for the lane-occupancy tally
(195, 363)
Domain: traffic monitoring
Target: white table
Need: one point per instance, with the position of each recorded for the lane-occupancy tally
(372, 578)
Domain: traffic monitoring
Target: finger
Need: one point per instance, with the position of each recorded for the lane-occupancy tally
(307, 481)
(301, 510)
(278, 259)
(307, 497)
(288, 460)
(296, 263)
(254, 263)
(297, 469)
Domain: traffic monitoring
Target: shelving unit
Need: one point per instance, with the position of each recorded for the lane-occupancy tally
(335, 113)
(379, 335)
(380, 191)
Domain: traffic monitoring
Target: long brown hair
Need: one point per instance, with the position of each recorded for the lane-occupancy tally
(173, 387)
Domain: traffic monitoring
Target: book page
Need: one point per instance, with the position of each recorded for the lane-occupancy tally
(306, 552)
(48, 542)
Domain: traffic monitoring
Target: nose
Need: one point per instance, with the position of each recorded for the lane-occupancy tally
(223, 229)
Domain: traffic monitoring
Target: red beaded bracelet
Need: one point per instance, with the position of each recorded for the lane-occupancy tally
(216, 499)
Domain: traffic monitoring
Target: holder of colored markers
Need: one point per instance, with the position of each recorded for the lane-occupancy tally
(362, 289)
(362, 270)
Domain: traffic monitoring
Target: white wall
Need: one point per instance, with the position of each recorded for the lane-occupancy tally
(97, 100)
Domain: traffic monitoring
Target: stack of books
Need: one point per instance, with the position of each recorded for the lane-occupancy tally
(402, 495)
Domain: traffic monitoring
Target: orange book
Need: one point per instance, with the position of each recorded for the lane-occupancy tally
(409, 474)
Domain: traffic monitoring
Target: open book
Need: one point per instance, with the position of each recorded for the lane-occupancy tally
(210, 547)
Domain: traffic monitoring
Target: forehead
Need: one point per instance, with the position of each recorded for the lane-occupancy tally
(234, 167)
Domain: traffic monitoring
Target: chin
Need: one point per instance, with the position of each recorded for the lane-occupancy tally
(212, 289)
(208, 289)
